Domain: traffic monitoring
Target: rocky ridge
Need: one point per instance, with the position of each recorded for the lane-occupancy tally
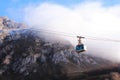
(26, 54)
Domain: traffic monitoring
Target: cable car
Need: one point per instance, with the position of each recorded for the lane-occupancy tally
(80, 47)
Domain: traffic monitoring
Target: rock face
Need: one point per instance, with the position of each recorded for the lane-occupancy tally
(27, 54)
(6, 25)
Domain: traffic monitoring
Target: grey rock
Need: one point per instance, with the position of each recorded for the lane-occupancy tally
(34, 56)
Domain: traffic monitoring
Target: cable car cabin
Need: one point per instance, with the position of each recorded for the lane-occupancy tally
(80, 48)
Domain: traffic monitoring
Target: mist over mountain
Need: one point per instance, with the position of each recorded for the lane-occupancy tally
(29, 54)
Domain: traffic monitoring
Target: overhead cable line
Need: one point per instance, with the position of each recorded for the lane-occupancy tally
(75, 35)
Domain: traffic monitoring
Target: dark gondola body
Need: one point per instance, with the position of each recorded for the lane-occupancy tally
(80, 48)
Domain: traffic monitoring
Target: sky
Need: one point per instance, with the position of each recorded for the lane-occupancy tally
(97, 19)
(10, 7)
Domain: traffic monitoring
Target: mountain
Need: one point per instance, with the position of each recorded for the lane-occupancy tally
(30, 54)
(6, 25)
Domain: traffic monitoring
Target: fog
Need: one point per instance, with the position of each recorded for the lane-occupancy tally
(92, 20)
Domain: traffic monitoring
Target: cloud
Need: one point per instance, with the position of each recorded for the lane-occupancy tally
(87, 19)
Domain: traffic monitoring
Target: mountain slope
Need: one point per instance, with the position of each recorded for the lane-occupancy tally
(28, 54)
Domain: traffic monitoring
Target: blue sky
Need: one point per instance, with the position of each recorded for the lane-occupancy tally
(7, 7)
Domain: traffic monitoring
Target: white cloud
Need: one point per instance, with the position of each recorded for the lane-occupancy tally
(89, 19)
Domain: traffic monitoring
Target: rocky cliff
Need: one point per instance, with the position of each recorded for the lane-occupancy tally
(28, 54)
